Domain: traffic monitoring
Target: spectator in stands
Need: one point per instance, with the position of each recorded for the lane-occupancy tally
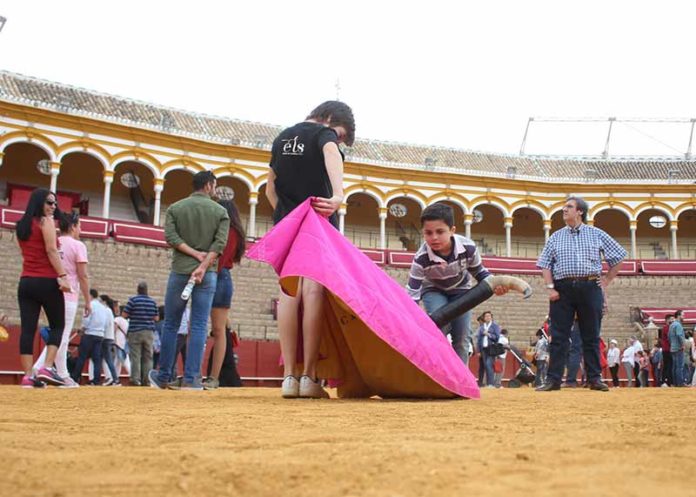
(121, 359)
(487, 334)
(499, 365)
(676, 344)
(613, 359)
(628, 359)
(181, 340)
(571, 265)
(541, 358)
(93, 330)
(222, 301)
(443, 269)
(141, 312)
(666, 354)
(196, 228)
(42, 284)
(656, 363)
(307, 163)
(644, 364)
(74, 258)
(637, 349)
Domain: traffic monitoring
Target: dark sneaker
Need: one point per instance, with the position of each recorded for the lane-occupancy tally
(600, 386)
(211, 383)
(50, 376)
(31, 382)
(180, 384)
(154, 382)
(547, 387)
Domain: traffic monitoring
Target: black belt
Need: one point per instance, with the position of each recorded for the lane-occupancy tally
(593, 277)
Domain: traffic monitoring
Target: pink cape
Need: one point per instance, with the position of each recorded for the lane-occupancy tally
(376, 340)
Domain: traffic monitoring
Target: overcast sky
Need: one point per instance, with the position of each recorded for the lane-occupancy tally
(457, 74)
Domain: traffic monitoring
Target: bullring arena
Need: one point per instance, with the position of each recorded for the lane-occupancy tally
(120, 163)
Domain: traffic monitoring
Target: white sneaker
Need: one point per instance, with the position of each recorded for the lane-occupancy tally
(291, 387)
(69, 383)
(310, 389)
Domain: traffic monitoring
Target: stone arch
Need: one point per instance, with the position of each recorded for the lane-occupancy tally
(660, 206)
(404, 233)
(687, 232)
(38, 140)
(527, 234)
(616, 222)
(538, 207)
(408, 193)
(87, 148)
(367, 190)
(362, 218)
(82, 175)
(494, 201)
(121, 206)
(603, 206)
(19, 171)
(176, 164)
(233, 172)
(453, 198)
(652, 243)
(143, 159)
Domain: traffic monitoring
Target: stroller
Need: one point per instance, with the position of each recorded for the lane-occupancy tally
(525, 375)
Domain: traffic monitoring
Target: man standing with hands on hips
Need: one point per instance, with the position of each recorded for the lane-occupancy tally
(571, 264)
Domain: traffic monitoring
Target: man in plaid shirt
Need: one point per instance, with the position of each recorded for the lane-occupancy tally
(571, 264)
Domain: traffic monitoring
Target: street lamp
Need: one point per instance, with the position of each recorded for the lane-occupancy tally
(3, 20)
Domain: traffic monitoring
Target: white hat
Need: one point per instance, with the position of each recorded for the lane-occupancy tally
(614, 341)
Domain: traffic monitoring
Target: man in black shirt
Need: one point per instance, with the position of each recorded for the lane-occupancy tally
(306, 162)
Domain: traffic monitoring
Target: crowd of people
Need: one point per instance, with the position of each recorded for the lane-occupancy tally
(130, 338)
(207, 238)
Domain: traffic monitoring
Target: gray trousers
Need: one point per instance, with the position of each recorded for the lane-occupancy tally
(140, 351)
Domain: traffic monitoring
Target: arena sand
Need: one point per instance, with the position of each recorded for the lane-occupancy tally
(249, 442)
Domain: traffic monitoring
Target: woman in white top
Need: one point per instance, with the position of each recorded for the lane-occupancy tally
(613, 358)
(73, 254)
(628, 359)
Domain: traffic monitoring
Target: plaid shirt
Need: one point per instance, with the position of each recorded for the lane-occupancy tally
(577, 252)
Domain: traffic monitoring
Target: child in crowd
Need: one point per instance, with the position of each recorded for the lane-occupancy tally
(541, 356)
(643, 364)
(444, 268)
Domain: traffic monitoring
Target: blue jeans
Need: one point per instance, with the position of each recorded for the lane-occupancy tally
(201, 303)
(678, 368)
(90, 348)
(574, 355)
(486, 365)
(460, 328)
(584, 298)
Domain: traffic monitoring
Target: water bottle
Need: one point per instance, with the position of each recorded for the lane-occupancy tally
(186, 294)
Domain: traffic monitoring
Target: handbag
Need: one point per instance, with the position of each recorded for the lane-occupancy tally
(496, 349)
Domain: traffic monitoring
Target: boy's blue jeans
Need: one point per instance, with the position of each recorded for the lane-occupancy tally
(201, 303)
(460, 327)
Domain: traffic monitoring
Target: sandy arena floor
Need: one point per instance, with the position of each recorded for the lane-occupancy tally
(249, 442)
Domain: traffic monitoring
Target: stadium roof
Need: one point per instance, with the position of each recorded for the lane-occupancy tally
(17, 88)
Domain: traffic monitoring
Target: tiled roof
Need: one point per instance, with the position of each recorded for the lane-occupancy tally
(72, 100)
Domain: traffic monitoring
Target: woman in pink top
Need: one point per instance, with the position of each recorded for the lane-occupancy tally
(41, 285)
(74, 257)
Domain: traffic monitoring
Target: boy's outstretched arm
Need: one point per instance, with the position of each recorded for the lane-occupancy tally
(334, 168)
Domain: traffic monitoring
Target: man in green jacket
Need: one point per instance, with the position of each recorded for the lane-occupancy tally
(196, 228)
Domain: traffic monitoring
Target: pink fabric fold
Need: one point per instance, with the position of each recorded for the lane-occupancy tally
(305, 244)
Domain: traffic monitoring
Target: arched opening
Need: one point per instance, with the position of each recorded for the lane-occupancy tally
(403, 224)
(557, 221)
(19, 174)
(81, 175)
(240, 196)
(687, 234)
(488, 231)
(362, 220)
(652, 235)
(132, 193)
(527, 233)
(616, 223)
(264, 213)
(177, 186)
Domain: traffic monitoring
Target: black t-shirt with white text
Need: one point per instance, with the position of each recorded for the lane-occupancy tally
(297, 159)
